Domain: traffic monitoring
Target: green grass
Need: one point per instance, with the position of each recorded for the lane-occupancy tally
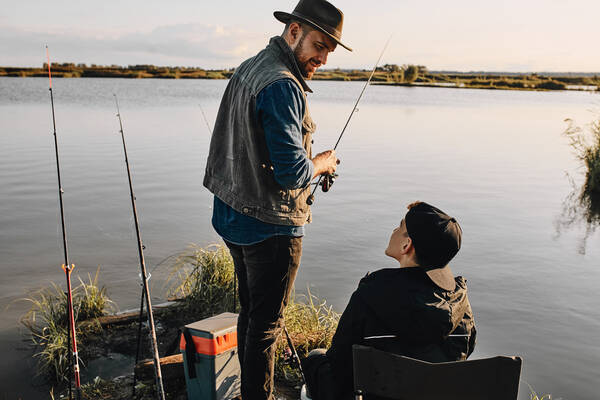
(311, 324)
(534, 396)
(585, 143)
(202, 279)
(47, 322)
(582, 205)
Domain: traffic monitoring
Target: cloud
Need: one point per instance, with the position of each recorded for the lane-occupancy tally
(209, 46)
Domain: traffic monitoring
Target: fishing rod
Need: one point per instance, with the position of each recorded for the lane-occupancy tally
(294, 353)
(146, 291)
(330, 178)
(66, 267)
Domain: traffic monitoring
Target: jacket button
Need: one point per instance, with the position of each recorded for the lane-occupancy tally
(245, 210)
(263, 166)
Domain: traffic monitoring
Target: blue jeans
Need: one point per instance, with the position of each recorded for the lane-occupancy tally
(266, 272)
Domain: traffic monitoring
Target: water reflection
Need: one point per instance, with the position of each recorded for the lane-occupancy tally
(582, 205)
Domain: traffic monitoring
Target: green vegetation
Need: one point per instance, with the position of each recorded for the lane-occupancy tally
(583, 203)
(418, 75)
(70, 70)
(533, 395)
(202, 278)
(586, 144)
(311, 324)
(47, 322)
(390, 74)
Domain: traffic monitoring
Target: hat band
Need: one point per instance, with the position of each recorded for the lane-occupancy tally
(332, 31)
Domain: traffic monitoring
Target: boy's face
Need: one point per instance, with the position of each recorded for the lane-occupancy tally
(399, 241)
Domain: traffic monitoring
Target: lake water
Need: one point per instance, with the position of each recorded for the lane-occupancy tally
(496, 160)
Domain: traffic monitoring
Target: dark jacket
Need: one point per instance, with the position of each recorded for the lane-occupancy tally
(238, 169)
(406, 304)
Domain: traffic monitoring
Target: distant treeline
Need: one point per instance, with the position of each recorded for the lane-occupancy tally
(391, 74)
(418, 75)
(71, 70)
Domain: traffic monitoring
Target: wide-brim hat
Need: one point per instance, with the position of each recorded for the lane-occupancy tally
(319, 14)
(436, 237)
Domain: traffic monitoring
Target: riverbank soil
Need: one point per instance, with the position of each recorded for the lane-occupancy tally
(117, 339)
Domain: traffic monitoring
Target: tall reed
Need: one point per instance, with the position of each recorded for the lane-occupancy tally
(583, 204)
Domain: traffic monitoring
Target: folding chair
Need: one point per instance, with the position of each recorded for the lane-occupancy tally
(390, 376)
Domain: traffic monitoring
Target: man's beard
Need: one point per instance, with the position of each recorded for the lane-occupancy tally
(302, 64)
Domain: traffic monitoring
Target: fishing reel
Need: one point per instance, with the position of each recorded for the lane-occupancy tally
(289, 358)
(325, 182)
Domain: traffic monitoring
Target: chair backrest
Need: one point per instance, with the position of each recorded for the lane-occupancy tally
(392, 376)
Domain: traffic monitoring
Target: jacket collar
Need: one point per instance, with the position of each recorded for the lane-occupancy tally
(285, 54)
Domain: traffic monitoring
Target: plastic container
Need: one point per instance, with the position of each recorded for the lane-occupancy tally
(212, 369)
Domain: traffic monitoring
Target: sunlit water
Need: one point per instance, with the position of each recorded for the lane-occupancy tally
(496, 160)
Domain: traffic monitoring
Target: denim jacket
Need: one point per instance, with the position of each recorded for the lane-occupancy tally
(238, 169)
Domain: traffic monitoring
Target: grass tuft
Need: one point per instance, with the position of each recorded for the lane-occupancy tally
(311, 324)
(583, 204)
(203, 279)
(47, 322)
(534, 396)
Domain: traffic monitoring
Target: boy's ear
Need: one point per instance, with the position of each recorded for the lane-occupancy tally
(407, 246)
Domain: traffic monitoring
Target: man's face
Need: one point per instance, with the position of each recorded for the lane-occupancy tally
(312, 51)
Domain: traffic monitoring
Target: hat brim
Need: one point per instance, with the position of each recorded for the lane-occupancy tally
(286, 17)
(442, 277)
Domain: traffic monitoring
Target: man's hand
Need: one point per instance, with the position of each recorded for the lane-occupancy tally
(325, 163)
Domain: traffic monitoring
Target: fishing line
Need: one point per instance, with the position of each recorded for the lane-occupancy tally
(146, 291)
(205, 119)
(210, 131)
(330, 178)
(66, 267)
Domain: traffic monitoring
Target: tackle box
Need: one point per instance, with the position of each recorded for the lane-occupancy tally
(210, 358)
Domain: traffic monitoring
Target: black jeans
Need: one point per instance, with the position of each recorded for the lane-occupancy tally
(266, 272)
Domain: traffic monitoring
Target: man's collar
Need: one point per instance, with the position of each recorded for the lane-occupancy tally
(287, 56)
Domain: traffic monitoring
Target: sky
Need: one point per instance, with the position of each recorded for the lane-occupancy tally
(460, 35)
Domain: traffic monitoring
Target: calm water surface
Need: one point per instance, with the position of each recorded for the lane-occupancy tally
(496, 160)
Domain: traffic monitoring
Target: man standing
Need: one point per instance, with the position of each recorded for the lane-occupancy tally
(259, 168)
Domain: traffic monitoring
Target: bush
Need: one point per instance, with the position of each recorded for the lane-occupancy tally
(411, 73)
(551, 85)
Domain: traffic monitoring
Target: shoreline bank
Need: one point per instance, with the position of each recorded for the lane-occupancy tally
(390, 75)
